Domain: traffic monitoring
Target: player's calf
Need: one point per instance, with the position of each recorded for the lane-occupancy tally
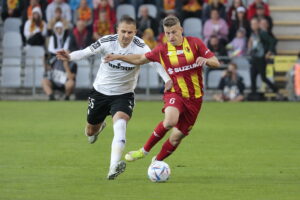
(90, 132)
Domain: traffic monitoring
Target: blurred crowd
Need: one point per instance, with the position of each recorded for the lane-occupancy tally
(229, 28)
(74, 24)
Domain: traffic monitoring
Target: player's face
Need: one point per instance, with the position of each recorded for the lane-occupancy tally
(174, 34)
(126, 33)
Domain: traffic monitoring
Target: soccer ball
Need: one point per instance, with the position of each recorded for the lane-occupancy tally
(159, 171)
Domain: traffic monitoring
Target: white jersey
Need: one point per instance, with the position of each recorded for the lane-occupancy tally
(116, 77)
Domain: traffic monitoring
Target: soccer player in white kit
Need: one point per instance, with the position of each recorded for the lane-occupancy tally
(113, 88)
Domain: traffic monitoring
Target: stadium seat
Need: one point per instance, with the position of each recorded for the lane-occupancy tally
(12, 24)
(34, 66)
(83, 77)
(125, 9)
(11, 76)
(11, 56)
(151, 8)
(11, 67)
(213, 78)
(12, 39)
(192, 27)
(148, 77)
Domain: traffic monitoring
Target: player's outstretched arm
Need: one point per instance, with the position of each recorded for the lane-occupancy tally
(75, 55)
(135, 59)
(211, 62)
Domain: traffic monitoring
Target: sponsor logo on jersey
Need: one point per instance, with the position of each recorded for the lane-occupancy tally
(206, 51)
(96, 45)
(119, 66)
(178, 52)
(182, 69)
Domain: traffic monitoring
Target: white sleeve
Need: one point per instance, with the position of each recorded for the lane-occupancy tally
(161, 71)
(26, 29)
(88, 51)
(80, 54)
(158, 67)
(67, 44)
(51, 48)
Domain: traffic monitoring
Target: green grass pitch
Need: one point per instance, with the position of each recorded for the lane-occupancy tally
(243, 151)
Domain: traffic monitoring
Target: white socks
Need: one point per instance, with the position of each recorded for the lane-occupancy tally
(118, 143)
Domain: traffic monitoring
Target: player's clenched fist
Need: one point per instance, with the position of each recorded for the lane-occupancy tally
(201, 61)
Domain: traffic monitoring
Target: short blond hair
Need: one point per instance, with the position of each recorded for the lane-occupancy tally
(170, 21)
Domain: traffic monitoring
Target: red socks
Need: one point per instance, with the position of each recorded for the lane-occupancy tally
(167, 149)
(158, 133)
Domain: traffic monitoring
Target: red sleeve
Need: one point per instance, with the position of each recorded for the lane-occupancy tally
(204, 51)
(154, 54)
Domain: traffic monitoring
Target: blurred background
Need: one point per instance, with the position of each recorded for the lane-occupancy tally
(260, 57)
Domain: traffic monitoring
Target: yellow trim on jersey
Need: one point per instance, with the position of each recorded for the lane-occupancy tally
(172, 53)
(183, 87)
(163, 64)
(196, 84)
(187, 51)
(162, 61)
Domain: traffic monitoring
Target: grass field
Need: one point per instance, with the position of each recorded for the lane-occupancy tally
(245, 151)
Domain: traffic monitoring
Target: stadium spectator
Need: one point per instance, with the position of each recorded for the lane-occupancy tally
(11, 8)
(84, 13)
(233, 11)
(27, 13)
(240, 22)
(265, 26)
(214, 5)
(110, 13)
(166, 7)
(58, 17)
(102, 26)
(252, 9)
(146, 21)
(80, 36)
(183, 101)
(35, 29)
(238, 46)
(231, 85)
(216, 46)
(30, 5)
(74, 4)
(191, 8)
(260, 47)
(59, 75)
(149, 39)
(66, 10)
(113, 88)
(215, 26)
(59, 39)
(97, 2)
(261, 14)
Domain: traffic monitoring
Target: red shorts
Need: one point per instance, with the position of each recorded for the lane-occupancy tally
(188, 108)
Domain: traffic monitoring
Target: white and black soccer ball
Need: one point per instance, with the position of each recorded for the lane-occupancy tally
(159, 171)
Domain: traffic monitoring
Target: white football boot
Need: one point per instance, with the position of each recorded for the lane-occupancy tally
(116, 170)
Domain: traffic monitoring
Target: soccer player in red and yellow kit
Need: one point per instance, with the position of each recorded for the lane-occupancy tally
(183, 59)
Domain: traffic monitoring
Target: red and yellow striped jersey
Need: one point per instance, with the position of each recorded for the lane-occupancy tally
(180, 63)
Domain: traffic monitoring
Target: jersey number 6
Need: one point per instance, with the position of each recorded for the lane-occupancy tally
(172, 101)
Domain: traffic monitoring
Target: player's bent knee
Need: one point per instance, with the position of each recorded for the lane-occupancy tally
(170, 123)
